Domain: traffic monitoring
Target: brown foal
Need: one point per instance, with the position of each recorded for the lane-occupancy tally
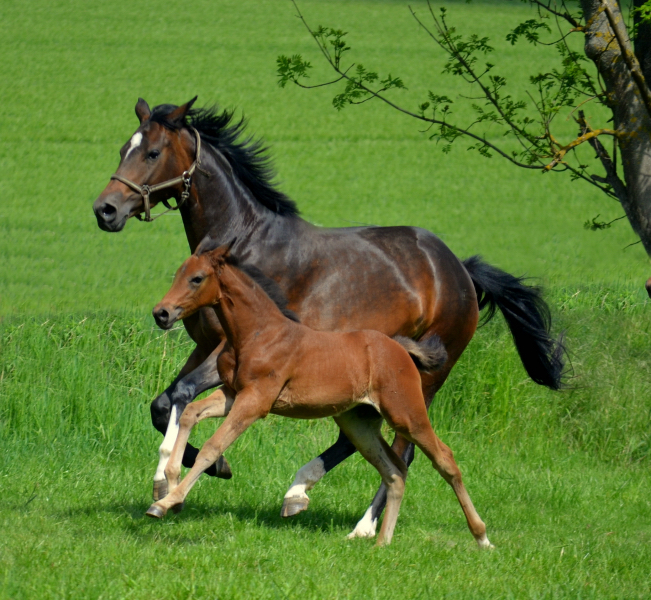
(272, 364)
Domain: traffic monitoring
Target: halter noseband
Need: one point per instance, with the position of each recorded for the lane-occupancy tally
(145, 190)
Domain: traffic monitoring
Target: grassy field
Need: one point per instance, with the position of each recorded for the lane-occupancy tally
(561, 479)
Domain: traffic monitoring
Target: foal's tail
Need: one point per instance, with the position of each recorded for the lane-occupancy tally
(527, 316)
(428, 355)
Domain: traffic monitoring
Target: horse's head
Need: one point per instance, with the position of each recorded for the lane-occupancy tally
(196, 284)
(160, 150)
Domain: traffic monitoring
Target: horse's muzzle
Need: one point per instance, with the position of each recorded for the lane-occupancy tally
(113, 210)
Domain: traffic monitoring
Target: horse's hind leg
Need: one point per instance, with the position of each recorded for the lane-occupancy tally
(296, 500)
(363, 429)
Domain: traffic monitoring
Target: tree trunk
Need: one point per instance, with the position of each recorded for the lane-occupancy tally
(626, 97)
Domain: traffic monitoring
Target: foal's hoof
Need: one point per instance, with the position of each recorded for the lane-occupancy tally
(223, 468)
(156, 512)
(160, 490)
(484, 543)
(293, 506)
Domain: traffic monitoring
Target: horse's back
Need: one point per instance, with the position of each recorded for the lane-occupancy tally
(397, 280)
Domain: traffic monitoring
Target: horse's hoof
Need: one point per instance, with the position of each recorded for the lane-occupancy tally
(155, 512)
(177, 508)
(160, 490)
(223, 468)
(293, 506)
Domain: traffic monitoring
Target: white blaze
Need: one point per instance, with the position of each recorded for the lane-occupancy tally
(135, 142)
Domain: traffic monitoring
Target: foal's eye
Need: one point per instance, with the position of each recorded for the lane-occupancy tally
(154, 154)
(196, 280)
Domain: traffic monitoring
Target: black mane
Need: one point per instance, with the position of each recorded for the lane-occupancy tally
(268, 285)
(247, 157)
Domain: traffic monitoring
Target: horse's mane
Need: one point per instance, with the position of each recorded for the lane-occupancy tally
(248, 156)
(268, 285)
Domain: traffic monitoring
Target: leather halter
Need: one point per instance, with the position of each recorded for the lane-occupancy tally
(145, 190)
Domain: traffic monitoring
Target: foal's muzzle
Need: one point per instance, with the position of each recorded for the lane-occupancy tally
(165, 317)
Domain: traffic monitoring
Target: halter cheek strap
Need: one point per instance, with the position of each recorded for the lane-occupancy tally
(145, 190)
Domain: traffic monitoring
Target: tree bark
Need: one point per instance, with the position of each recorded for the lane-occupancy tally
(627, 100)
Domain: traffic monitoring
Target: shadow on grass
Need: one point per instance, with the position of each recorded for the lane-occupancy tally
(136, 522)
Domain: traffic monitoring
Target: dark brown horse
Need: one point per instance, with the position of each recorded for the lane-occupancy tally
(396, 280)
(273, 364)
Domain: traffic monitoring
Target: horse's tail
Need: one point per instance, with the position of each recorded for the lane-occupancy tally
(527, 316)
(428, 355)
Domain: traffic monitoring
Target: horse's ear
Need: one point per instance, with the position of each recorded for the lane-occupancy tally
(178, 114)
(207, 244)
(142, 110)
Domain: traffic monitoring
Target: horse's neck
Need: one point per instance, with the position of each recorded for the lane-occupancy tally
(225, 209)
(245, 309)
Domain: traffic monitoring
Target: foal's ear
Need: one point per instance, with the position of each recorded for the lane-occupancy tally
(142, 110)
(178, 114)
(207, 244)
(220, 254)
(228, 247)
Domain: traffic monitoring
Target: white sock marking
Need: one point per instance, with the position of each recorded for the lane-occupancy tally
(135, 142)
(305, 479)
(168, 444)
(483, 542)
(366, 526)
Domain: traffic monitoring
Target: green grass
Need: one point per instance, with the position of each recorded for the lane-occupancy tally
(561, 479)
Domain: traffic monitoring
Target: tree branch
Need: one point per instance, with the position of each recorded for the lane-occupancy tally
(612, 179)
(567, 16)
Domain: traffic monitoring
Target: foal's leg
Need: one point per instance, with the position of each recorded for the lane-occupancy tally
(218, 404)
(245, 411)
(296, 500)
(167, 409)
(367, 525)
(364, 431)
(409, 418)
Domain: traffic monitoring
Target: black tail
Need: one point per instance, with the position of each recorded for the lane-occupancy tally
(527, 316)
(428, 355)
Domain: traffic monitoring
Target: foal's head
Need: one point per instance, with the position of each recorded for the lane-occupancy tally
(196, 284)
(159, 150)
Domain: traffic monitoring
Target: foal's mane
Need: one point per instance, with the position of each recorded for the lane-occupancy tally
(247, 156)
(268, 285)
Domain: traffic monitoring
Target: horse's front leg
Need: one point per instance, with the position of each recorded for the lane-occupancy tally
(246, 410)
(166, 411)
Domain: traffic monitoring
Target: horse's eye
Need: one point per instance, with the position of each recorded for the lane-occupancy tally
(154, 154)
(196, 280)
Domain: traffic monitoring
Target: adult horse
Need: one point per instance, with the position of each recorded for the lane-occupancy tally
(398, 280)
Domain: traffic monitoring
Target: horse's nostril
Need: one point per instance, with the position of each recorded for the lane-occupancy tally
(108, 210)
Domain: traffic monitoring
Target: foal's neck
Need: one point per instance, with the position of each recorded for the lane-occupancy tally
(245, 309)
